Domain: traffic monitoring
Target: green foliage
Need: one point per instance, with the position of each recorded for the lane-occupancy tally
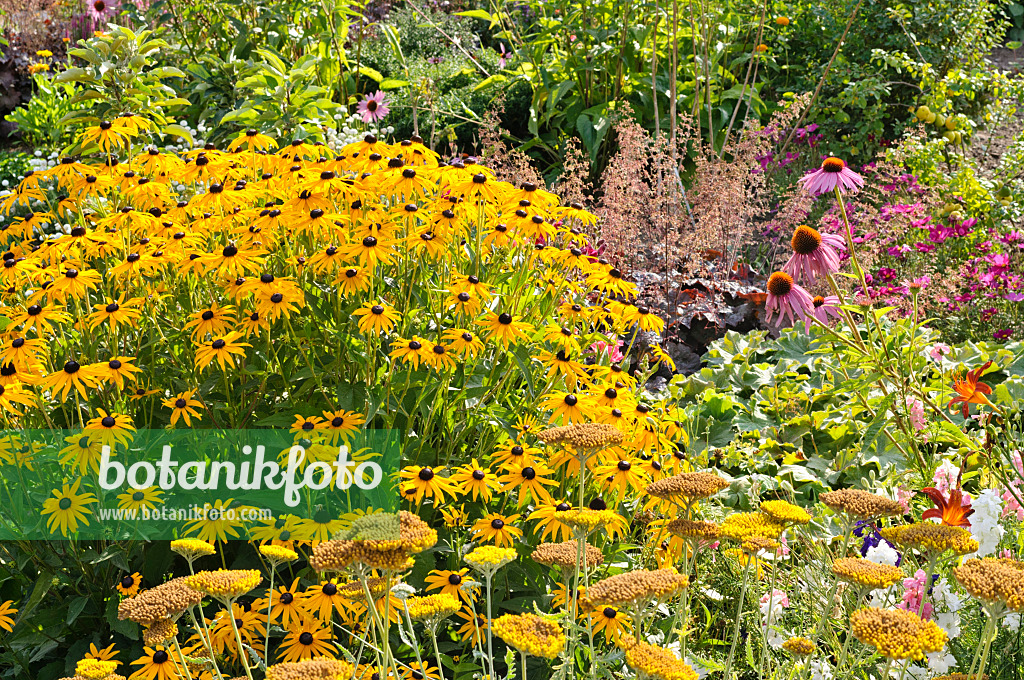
(40, 120)
(13, 166)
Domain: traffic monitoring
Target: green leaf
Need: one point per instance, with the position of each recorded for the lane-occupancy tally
(876, 425)
(178, 131)
(392, 84)
(373, 74)
(476, 14)
(76, 607)
(487, 82)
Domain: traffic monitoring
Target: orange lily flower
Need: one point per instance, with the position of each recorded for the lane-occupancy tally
(952, 512)
(970, 390)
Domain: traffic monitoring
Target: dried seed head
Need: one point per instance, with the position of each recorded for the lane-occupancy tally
(861, 504)
(167, 600)
(565, 555)
(688, 485)
(635, 586)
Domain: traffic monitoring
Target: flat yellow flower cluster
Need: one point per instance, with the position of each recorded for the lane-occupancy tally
(657, 662)
(993, 581)
(278, 553)
(866, 573)
(530, 634)
(489, 557)
(635, 586)
(95, 669)
(743, 525)
(927, 536)
(225, 583)
(784, 512)
(896, 633)
(861, 504)
(191, 548)
(430, 606)
(799, 646)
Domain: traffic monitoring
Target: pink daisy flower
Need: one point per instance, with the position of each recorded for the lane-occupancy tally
(821, 309)
(814, 254)
(100, 10)
(833, 174)
(373, 108)
(787, 298)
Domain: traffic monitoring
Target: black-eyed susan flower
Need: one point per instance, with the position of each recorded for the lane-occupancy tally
(183, 406)
(371, 251)
(497, 528)
(621, 476)
(561, 364)
(74, 283)
(83, 452)
(449, 583)
(137, 499)
(473, 628)
(352, 280)
(411, 351)
(13, 396)
(611, 621)
(475, 481)
(321, 598)
(156, 664)
(251, 140)
(116, 312)
(67, 508)
(427, 483)
(129, 585)
(568, 407)
(440, 358)
(286, 606)
(461, 341)
(223, 349)
(214, 320)
(504, 328)
(72, 375)
(529, 481)
(42, 318)
(376, 318)
(549, 524)
(116, 370)
(110, 428)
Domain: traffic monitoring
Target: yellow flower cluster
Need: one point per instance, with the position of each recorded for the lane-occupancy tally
(167, 600)
(693, 529)
(95, 669)
(191, 548)
(388, 550)
(743, 525)
(431, 606)
(278, 553)
(490, 557)
(656, 662)
(896, 633)
(866, 573)
(758, 544)
(159, 632)
(225, 583)
(784, 512)
(690, 485)
(927, 536)
(530, 634)
(799, 646)
(310, 669)
(587, 518)
(634, 586)
(861, 504)
(582, 436)
(993, 581)
(567, 554)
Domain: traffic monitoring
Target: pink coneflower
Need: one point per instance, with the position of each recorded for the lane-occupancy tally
(821, 309)
(100, 9)
(787, 298)
(373, 108)
(503, 55)
(832, 174)
(814, 254)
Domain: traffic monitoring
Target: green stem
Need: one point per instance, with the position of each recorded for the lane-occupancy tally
(739, 617)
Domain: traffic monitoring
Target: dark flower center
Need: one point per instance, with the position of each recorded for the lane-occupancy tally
(505, 319)
(818, 301)
(529, 473)
(337, 421)
(610, 613)
(329, 589)
(377, 309)
(180, 403)
(276, 298)
(571, 400)
(108, 421)
(127, 582)
(17, 342)
(159, 656)
(207, 315)
(306, 638)
(64, 504)
(780, 284)
(72, 367)
(218, 344)
(479, 475)
(497, 524)
(463, 297)
(624, 465)
(597, 504)
(454, 579)
(369, 241)
(286, 598)
(833, 164)
(414, 345)
(426, 474)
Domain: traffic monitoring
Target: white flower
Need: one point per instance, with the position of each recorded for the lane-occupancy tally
(1012, 622)
(713, 594)
(883, 553)
(949, 622)
(939, 663)
(985, 527)
(820, 670)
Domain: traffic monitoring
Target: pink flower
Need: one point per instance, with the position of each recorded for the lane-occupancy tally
(822, 307)
(778, 599)
(832, 175)
(614, 351)
(503, 56)
(913, 595)
(946, 477)
(814, 253)
(903, 496)
(787, 298)
(916, 410)
(373, 108)
(100, 9)
(939, 350)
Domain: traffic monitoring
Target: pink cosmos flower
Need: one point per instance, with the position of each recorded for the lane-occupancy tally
(814, 254)
(822, 307)
(787, 299)
(832, 175)
(373, 108)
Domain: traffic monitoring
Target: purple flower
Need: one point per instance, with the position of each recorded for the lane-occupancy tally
(787, 298)
(503, 55)
(1003, 334)
(832, 175)
(373, 108)
(814, 254)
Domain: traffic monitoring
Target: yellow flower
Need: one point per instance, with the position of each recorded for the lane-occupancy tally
(67, 508)
(530, 634)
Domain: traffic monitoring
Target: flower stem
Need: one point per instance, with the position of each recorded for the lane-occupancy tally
(739, 617)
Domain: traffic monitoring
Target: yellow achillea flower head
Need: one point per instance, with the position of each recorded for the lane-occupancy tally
(634, 586)
(926, 536)
(866, 573)
(993, 581)
(799, 646)
(94, 669)
(191, 548)
(785, 513)
(430, 606)
(656, 662)
(530, 634)
(490, 558)
(896, 633)
(225, 583)
(744, 525)
(278, 553)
